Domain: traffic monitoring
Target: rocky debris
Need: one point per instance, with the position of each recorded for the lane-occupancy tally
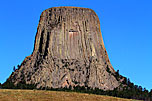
(68, 51)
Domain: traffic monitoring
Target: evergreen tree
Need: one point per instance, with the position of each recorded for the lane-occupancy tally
(126, 90)
(18, 66)
(14, 68)
(107, 69)
(117, 72)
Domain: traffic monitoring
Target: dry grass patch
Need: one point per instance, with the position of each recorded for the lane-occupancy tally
(42, 95)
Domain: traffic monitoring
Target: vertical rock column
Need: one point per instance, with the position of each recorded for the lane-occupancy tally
(68, 51)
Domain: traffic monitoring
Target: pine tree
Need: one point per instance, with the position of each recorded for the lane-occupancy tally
(14, 68)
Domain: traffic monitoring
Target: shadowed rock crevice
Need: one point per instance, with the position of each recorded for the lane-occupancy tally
(41, 42)
(68, 51)
(47, 45)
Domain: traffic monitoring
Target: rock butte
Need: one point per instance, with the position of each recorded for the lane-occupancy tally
(68, 51)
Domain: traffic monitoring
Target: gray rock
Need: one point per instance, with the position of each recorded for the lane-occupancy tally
(68, 51)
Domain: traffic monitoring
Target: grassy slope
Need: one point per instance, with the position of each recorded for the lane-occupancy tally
(39, 95)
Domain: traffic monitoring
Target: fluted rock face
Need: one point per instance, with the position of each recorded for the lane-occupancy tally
(68, 51)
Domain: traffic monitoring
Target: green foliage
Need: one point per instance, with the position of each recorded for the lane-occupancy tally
(22, 85)
(8, 85)
(130, 91)
(124, 81)
(107, 69)
(18, 66)
(117, 75)
(127, 89)
(14, 68)
(0, 85)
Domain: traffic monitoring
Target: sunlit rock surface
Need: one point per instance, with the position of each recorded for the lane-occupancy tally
(68, 51)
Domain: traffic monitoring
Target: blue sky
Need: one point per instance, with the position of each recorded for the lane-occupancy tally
(126, 27)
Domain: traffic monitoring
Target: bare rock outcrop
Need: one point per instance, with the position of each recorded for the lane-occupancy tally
(68, 51)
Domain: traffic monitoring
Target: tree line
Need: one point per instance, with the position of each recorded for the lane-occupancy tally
(127, 89)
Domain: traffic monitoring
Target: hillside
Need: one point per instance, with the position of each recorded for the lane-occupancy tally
(39, 95)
